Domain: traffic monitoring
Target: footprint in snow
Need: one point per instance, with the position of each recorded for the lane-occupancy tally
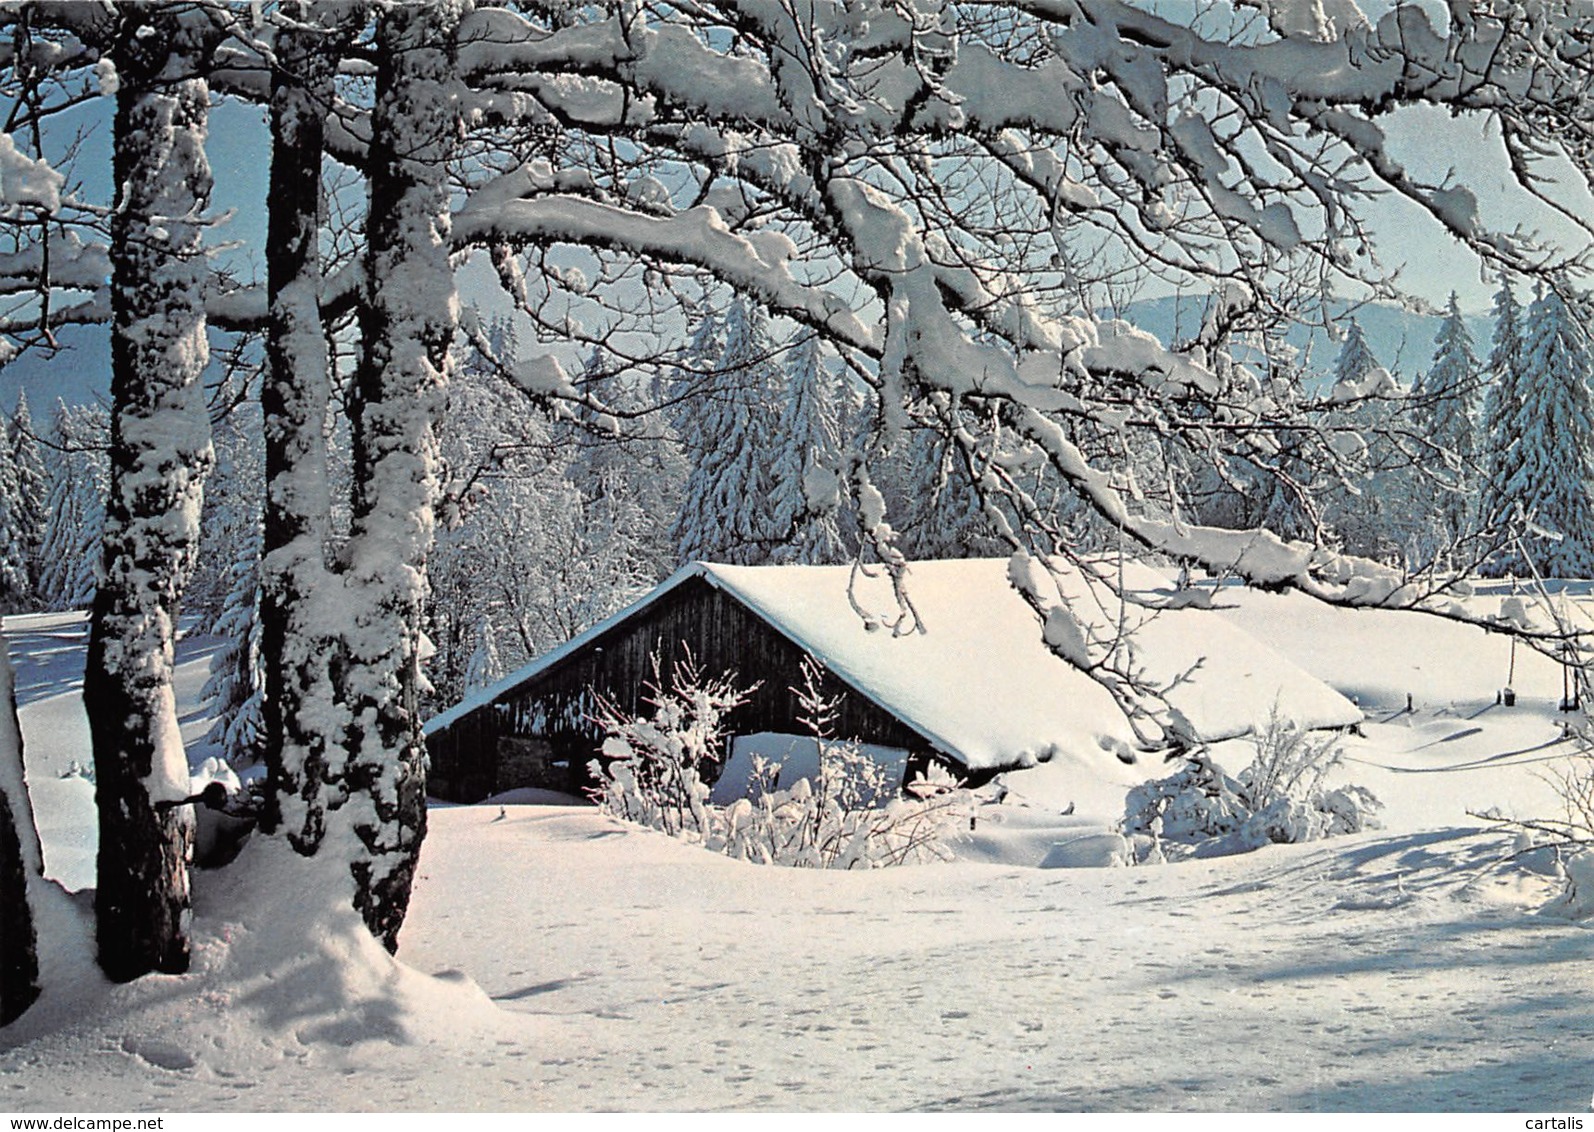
(159, 1052)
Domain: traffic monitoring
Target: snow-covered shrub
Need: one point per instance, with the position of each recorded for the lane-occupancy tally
(1196, 802)
(1577, 900)
(850, 815)
(652, 768)
(1568, 839)
(1281, 797)
(1575, 785)
(827, 824)
(846, 816)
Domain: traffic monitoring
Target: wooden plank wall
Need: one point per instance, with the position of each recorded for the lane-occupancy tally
(484, 752)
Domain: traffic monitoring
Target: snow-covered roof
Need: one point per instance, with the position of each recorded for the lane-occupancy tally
(1378, 657)
(979, 683)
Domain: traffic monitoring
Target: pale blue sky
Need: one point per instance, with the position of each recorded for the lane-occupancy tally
(1429, 144)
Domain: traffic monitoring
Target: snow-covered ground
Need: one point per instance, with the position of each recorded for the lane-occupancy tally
(557, 959)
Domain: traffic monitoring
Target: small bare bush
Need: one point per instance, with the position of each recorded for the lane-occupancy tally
(652, 770)
(1281, 797)
(1568, 839)
(850, 815)
(1575, 785)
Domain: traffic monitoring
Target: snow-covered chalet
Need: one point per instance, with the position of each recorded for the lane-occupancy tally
(977, 689)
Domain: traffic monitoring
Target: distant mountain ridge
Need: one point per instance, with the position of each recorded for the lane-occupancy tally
(1402, 340)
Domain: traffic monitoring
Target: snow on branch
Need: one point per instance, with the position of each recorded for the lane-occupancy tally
(697, 236)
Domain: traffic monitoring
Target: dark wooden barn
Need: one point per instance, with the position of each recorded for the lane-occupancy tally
(535, 727)
(977, 689)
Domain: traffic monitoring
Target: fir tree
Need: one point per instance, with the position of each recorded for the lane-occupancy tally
(695, 373)
(599, 462)
(15, 590)
(1507, 390)
(1547, 471)
(1356, 363)
(1445, 404)
(523, 550)
(233, 510)
(237, 680)
(503, 339)
(1280, 492)
(623, 481)
(32, 485)
(1280, 487)
(942, 513)
(724, 514)
(75, 508)
(484, 665)
(806, 484)
(1367, 506)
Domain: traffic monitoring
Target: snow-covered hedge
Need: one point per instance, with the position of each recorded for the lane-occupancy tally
(1280, 797)
(652, 773)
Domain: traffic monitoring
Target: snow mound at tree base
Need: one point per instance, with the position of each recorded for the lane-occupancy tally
(286, 984)
(281, 941)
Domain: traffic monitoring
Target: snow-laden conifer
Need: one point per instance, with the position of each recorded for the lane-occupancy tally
(729, 433)
(1444, 414)
(236, 685)
(484, 665)
(1366, 497)
(77, 475)
(694, 372)
(599, 462)
(234, 497)
(15, 590)
(32, 488)
(520, 547)
(1499, 430)
(805, 471)
(1283, 486)
(623, 479)
(1357, 371)
(942, 514)
(1547, 475)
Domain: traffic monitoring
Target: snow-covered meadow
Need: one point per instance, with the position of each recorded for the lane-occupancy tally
(557, 959)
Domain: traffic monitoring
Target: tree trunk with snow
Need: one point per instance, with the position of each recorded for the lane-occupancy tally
(159, 454)
(302, 721)
(21, 862)
(408, 323)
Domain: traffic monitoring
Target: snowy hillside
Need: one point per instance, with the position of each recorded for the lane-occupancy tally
(556, 959)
